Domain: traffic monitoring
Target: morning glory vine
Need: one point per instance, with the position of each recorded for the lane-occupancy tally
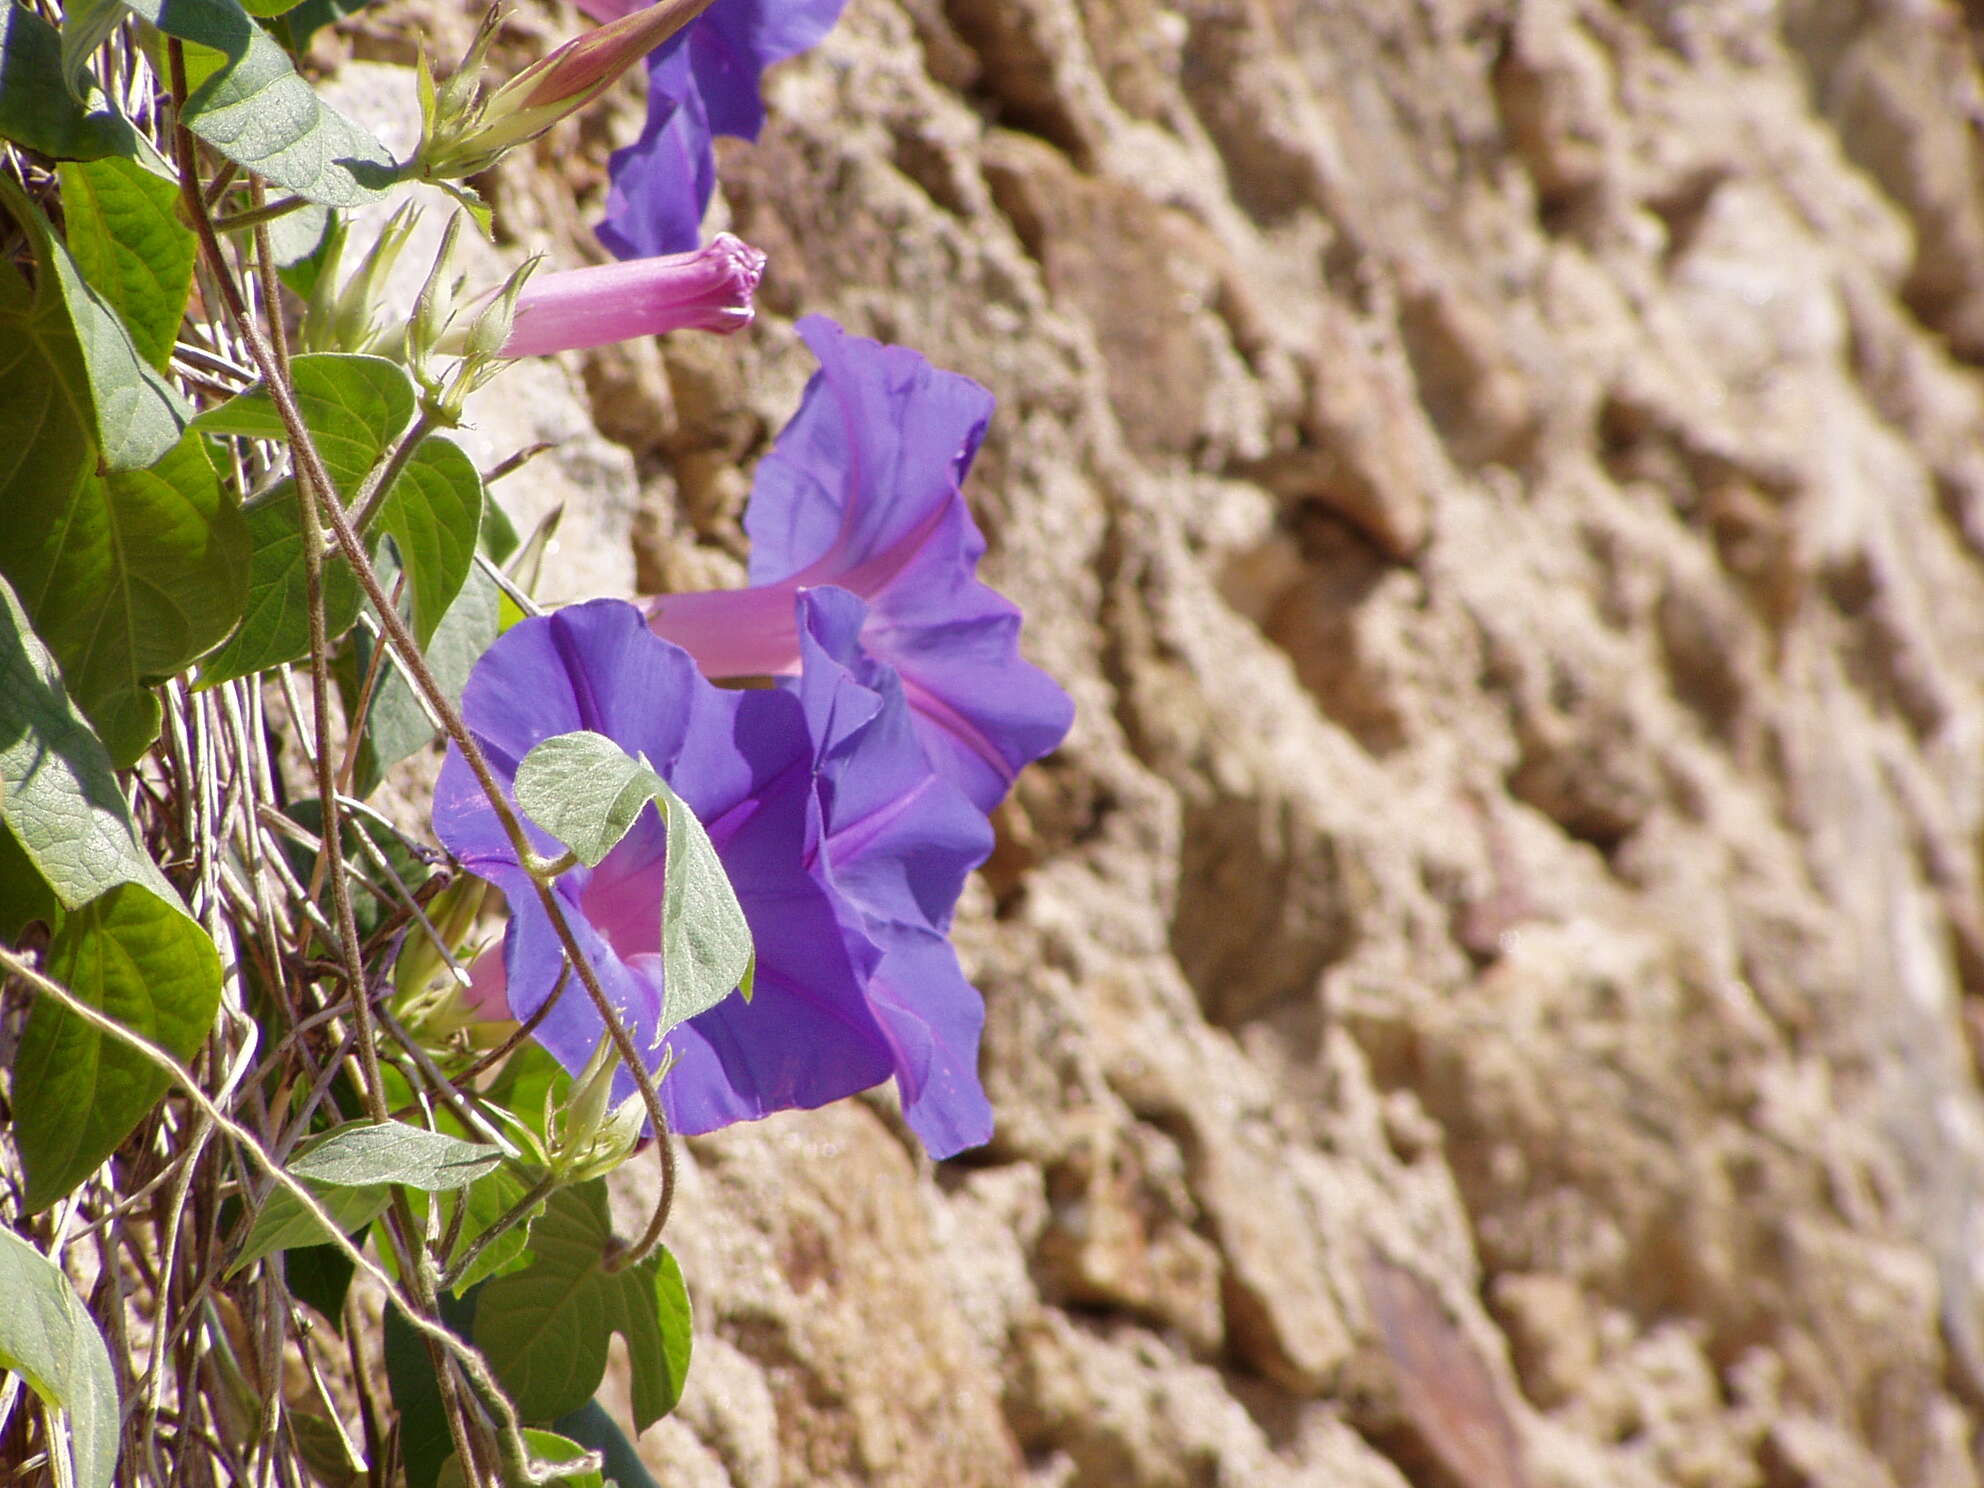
(296, 1077)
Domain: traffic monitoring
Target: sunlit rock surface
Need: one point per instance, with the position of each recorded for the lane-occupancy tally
(1488, 993)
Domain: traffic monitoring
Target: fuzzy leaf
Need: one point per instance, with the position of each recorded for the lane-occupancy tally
(128, 580)
(78, 1092)
(489, 1199)
(37, 110)
(295, 27)
(275, 625)
(396, 725)
(586, 791)
(46, 443)
(131, 247)
(434, 511)
(65, 338)
(86, 25)
(58, 795)
(321, 1276)
(705, 942)
(49, 1339)
(284, 1224)
(260, 114)
(362, 1153)
(354, 407)
(24, 894)
(545, 1329)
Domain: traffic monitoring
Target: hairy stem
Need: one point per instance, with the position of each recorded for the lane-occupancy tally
(474, 1367)
(309, 463)
(261, 214)
(378, 482)
(515, 1215)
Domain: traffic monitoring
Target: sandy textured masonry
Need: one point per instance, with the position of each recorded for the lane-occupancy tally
(1487, 995)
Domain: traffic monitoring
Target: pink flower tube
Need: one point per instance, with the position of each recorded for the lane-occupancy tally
(707, 290)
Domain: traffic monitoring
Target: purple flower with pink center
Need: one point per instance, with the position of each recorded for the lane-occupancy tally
(862, 491)
(847, 853)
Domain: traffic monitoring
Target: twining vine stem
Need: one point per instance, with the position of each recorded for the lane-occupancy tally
(314, 476)
(317, 494)
(472, 1364)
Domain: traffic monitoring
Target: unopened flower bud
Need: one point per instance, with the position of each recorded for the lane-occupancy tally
(320, 308)
(590, 1094)
(490, 332)
(424, 959)
(434, 308)
(595, 1135)
(463, 136)
(707, 290)
(346, 317)
(459, 91)
(612, 1144)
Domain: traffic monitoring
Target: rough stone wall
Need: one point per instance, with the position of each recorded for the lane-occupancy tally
(1486, 996)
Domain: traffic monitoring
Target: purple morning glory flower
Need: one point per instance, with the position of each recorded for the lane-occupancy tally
(861, 491)
(702, 83)
(846, 853)
(899, 840)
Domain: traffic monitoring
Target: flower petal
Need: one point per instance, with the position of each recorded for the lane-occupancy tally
(934, 1019)
(754, 768)
(880, 441)
(899, 841)
(703, 82)
(534, 957)
(736, 40)
(659, 187)
(983, 711)
(707, 289)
